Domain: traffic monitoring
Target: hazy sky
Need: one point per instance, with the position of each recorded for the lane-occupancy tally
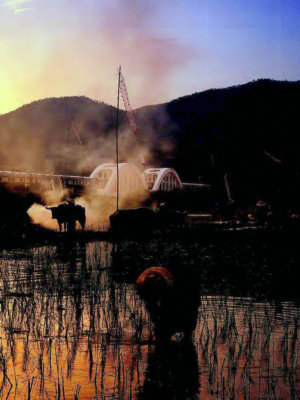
(167, 48)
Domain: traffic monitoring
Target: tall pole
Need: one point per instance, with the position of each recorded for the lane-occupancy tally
(67, 148)
(117, 138)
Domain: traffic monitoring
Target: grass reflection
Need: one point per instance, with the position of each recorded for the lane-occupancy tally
(73, 327)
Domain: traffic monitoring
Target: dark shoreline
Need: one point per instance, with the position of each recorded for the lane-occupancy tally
(206, 232)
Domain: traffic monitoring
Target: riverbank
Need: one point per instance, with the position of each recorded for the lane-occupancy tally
(207, 231)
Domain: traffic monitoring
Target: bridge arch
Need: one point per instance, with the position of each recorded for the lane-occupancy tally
(130, 179)
(165, 179)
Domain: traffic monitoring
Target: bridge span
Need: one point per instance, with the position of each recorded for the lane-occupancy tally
(103, 179)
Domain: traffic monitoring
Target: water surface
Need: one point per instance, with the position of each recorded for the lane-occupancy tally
(73, 326)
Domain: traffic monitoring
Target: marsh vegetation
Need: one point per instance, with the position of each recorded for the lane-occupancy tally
(72, 325)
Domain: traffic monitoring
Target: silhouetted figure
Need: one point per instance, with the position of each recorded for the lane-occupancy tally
(172, 372)
(172, 299)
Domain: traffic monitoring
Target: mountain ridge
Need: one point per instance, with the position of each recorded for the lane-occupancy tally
(243, 128)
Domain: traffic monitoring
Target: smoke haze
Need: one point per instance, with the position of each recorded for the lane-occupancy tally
(42, 138)
(98, 207)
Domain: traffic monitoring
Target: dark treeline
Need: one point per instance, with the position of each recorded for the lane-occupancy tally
(246, 131)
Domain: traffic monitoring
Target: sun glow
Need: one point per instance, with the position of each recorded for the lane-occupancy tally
(8, 101)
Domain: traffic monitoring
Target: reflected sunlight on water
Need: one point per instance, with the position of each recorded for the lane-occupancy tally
(73, 326)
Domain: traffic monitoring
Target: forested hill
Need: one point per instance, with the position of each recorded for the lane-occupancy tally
(248, 131)
(41, 136)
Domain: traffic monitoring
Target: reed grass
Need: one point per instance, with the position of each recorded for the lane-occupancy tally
(72, 326)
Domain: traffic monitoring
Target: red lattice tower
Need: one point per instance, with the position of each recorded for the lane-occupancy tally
(127, 105)
(129, 112)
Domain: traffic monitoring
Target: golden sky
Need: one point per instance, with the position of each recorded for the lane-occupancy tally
(167, 49)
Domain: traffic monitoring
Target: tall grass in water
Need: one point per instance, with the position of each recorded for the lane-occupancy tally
(245, 351)
(62, 316)
(73, 327)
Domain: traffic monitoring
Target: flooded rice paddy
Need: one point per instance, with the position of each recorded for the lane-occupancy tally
(72, 325)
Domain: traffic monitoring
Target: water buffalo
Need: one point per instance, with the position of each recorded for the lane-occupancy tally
(172, 300)
(137, 221)
(67, 214)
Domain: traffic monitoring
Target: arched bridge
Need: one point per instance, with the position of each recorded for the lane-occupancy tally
(165, 179)
(103, 178)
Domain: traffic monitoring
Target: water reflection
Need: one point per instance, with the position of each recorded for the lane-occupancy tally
(72, 324)
(172, 372)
